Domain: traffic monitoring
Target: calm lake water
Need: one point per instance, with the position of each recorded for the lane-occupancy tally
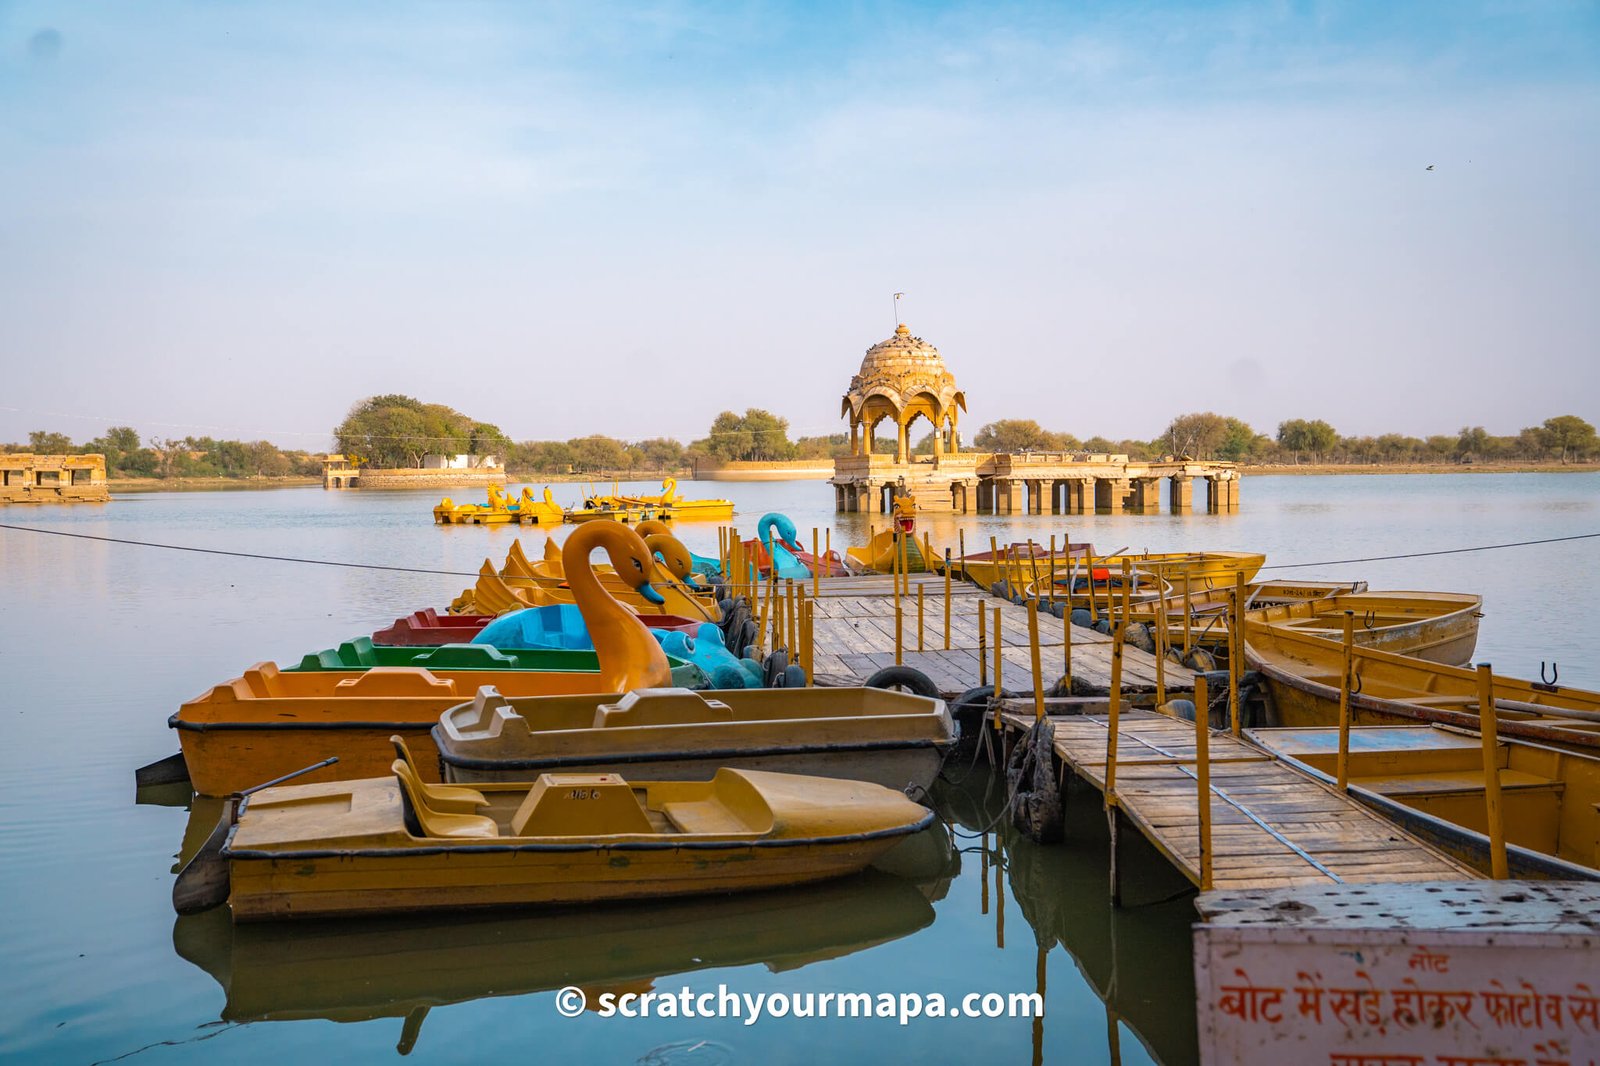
(100, 642)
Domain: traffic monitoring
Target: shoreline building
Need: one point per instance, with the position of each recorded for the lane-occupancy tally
(903, 379)
(29, 478)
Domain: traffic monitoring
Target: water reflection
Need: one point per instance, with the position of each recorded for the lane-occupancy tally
(1136, 958)
(400, 968)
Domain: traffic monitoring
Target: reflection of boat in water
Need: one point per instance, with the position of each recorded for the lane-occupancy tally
(392, 968)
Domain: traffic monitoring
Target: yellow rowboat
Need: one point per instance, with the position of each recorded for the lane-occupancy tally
(668, 503)
(1550, 798)
(1208, 608)
(393, 844)
(359, 971)
(1029, 566)
(866, 734)
(1019, 564)
(1303, 674)
(1441, 627)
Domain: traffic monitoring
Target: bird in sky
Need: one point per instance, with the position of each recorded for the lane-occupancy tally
(1430, 166)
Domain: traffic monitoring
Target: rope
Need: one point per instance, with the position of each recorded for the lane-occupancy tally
(1446, 551)
(238, 555)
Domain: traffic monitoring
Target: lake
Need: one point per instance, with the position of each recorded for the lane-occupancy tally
(100, 642)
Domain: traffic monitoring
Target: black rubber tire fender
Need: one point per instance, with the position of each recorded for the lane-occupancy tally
(906, 677)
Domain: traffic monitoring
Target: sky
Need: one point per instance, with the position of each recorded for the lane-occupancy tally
(238, 219)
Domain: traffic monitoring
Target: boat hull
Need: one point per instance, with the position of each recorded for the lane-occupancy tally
(893, 765)
(324, 884)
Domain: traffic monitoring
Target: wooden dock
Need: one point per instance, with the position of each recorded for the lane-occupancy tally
(1272, 826)
(854, 626)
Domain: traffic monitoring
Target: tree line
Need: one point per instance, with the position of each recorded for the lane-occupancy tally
(1208, 435)
(399, 431)
(127, 455)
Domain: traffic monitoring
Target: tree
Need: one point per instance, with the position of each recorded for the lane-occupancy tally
(1472, 443)
(755, 436)
(1199, 436)
(661, 453)
(597, 453)
(46, 443)
(1014, 435)
(394, 430)
(1298, 435)
(1570, 435)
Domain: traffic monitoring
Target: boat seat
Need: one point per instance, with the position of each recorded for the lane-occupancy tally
(704, 816)
(446, 799)
(423, 820)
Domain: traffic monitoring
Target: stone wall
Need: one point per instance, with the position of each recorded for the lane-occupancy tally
(29, 478)
(411, 478)
(798, 470)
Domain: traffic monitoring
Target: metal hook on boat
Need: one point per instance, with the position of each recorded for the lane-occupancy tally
(1555, 673)
(1355, 683)
(1367, 619)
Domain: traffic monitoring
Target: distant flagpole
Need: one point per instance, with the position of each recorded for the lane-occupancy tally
(897, 307)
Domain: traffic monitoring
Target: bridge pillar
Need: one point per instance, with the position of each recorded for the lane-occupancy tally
(1146, 494)
(1108, 494)
(1080, 495)
(1181, 496)
(1036, 497)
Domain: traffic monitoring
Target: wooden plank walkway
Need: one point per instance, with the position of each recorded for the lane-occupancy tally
(853, 637)
(1271, 826)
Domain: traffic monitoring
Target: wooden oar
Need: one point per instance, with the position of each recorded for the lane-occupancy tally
(203, 882)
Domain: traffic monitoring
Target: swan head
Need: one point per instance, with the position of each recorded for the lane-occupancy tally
(672, 554)
(651, 526)
(782, 523)
(629, 554)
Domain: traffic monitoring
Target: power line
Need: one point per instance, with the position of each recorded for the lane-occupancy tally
(238, 555)
(1420, 555)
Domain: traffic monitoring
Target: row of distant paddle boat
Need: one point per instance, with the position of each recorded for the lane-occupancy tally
(527, 509)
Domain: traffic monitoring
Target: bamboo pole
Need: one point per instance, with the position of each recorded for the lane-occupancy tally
(1343, 765)
(1066, 648)
(947, 599)
(799, 646)
(998, 645)
(899, 620)
(789, 616)
(983, 645)
(811, 646)
(920, 589)
(816, 566)
(1202, 766)
(961, 543)
(1127, 590)
(1236, 653)
(994, 559)
(1033, 652)
(827, 542)
(1188, 616)
(1052, 570)
(1489, 727)
(1113, 717)
(1161, 638)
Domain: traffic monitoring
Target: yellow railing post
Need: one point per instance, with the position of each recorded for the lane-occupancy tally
(1066, 647)
(999, 645)
(1342, 767)
(816, 566)
(1202, 772)
(800, 600)
(1113, 717)
(1033, 652)
(1236, 654)
(947, 599)
(1127, 592)
(789, 616)
(1188, 616)
(1052, 574)
(983, 645)
(811, 643)
(920, 589)
(1489, 727)
(1161, 638)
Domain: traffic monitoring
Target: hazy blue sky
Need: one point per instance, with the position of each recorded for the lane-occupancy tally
(238, 218)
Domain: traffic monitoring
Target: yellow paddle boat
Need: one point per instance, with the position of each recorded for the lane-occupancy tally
(668, 504)
(395, 844)
(865, 734)
(1303, 672)
(268, 722)
(1550, 798)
